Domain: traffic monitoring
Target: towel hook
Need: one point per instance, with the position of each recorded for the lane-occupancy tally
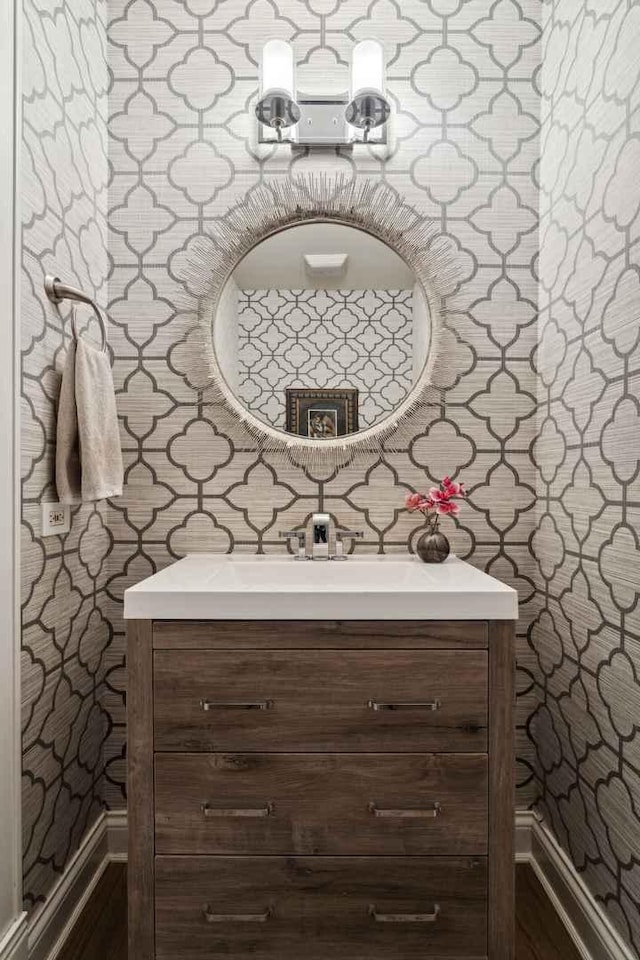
(57, 291)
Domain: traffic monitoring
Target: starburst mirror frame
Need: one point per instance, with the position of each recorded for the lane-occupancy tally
(365, 204)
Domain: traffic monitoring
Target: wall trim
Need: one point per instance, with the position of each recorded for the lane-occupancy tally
(106, 842)
(11, 917)
(50, 926)
(117, 835)
(14, 944)
(525, 820)
(586, 922)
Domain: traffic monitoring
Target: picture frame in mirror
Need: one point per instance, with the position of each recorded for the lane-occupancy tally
(321, 413)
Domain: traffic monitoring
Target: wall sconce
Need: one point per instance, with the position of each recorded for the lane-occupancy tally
(369, 107)
(277, 107)
(323, 121)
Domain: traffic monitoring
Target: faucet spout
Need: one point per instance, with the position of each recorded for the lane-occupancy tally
(320, 539)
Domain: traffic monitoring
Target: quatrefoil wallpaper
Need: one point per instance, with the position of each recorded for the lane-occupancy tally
(330, 339)
(586, 632)
(516, 128)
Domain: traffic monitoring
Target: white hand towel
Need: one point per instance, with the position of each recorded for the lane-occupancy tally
(88, 455)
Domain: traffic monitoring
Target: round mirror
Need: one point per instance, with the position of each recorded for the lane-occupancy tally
(322, 330)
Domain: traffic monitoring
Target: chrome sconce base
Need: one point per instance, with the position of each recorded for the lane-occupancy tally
(277, 111)
(367, 111)
(331, 121)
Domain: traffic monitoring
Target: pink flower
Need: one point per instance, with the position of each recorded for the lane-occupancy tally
(448, 507)
(452, 488)
(418, 501)
(412, 501)
(442, 499)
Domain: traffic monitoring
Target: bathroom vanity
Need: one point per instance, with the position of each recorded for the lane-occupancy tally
(320, 761)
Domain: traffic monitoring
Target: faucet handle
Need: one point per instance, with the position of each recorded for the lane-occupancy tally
(341, 536)
(300, 536)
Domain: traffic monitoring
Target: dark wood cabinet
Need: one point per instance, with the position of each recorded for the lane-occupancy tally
(379, 908)
(322, 788)
(343, 804)
(320, 701)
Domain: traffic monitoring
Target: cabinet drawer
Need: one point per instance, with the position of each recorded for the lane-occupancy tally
(267, 908)
(353, 804)
(354, 700)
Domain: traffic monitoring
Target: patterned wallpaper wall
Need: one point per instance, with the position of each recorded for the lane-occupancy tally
(558, 419)
(65, 630)
(361, 339)
(587, 633)
(183, 152)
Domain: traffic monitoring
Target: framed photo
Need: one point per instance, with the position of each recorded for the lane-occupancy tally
(321, 414)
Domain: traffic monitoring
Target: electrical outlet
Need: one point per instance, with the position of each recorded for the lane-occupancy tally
(56, 519)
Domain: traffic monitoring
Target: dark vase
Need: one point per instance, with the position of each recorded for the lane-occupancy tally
(433, 547)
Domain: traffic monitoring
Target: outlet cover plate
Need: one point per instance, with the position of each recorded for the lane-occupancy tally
(56, 519)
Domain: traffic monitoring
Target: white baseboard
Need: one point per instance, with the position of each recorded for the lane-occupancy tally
(585, 921)
(117, 834)
(53, 922)
(104, 843)
(15, 942)
(524, 831)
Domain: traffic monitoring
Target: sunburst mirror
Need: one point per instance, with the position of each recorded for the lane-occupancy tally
(320, 308)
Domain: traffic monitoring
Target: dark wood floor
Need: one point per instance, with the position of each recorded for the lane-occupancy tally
(539, 933)
(101, 931)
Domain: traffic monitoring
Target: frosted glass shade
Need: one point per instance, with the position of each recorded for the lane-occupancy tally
(367, 67)
(278, 68)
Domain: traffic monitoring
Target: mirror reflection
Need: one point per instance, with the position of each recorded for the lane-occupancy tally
(322, 330)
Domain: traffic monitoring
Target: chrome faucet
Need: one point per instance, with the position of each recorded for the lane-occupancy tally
(320, 536)
(301, 537)
(320, 524)
(341, 536)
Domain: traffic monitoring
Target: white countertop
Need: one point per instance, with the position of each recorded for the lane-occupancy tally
(395, 587)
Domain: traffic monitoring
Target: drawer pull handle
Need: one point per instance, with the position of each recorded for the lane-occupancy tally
(409, 814)
(377, 705)
(207, 705)
(249, 812)
(211, 917)
(404, 917)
